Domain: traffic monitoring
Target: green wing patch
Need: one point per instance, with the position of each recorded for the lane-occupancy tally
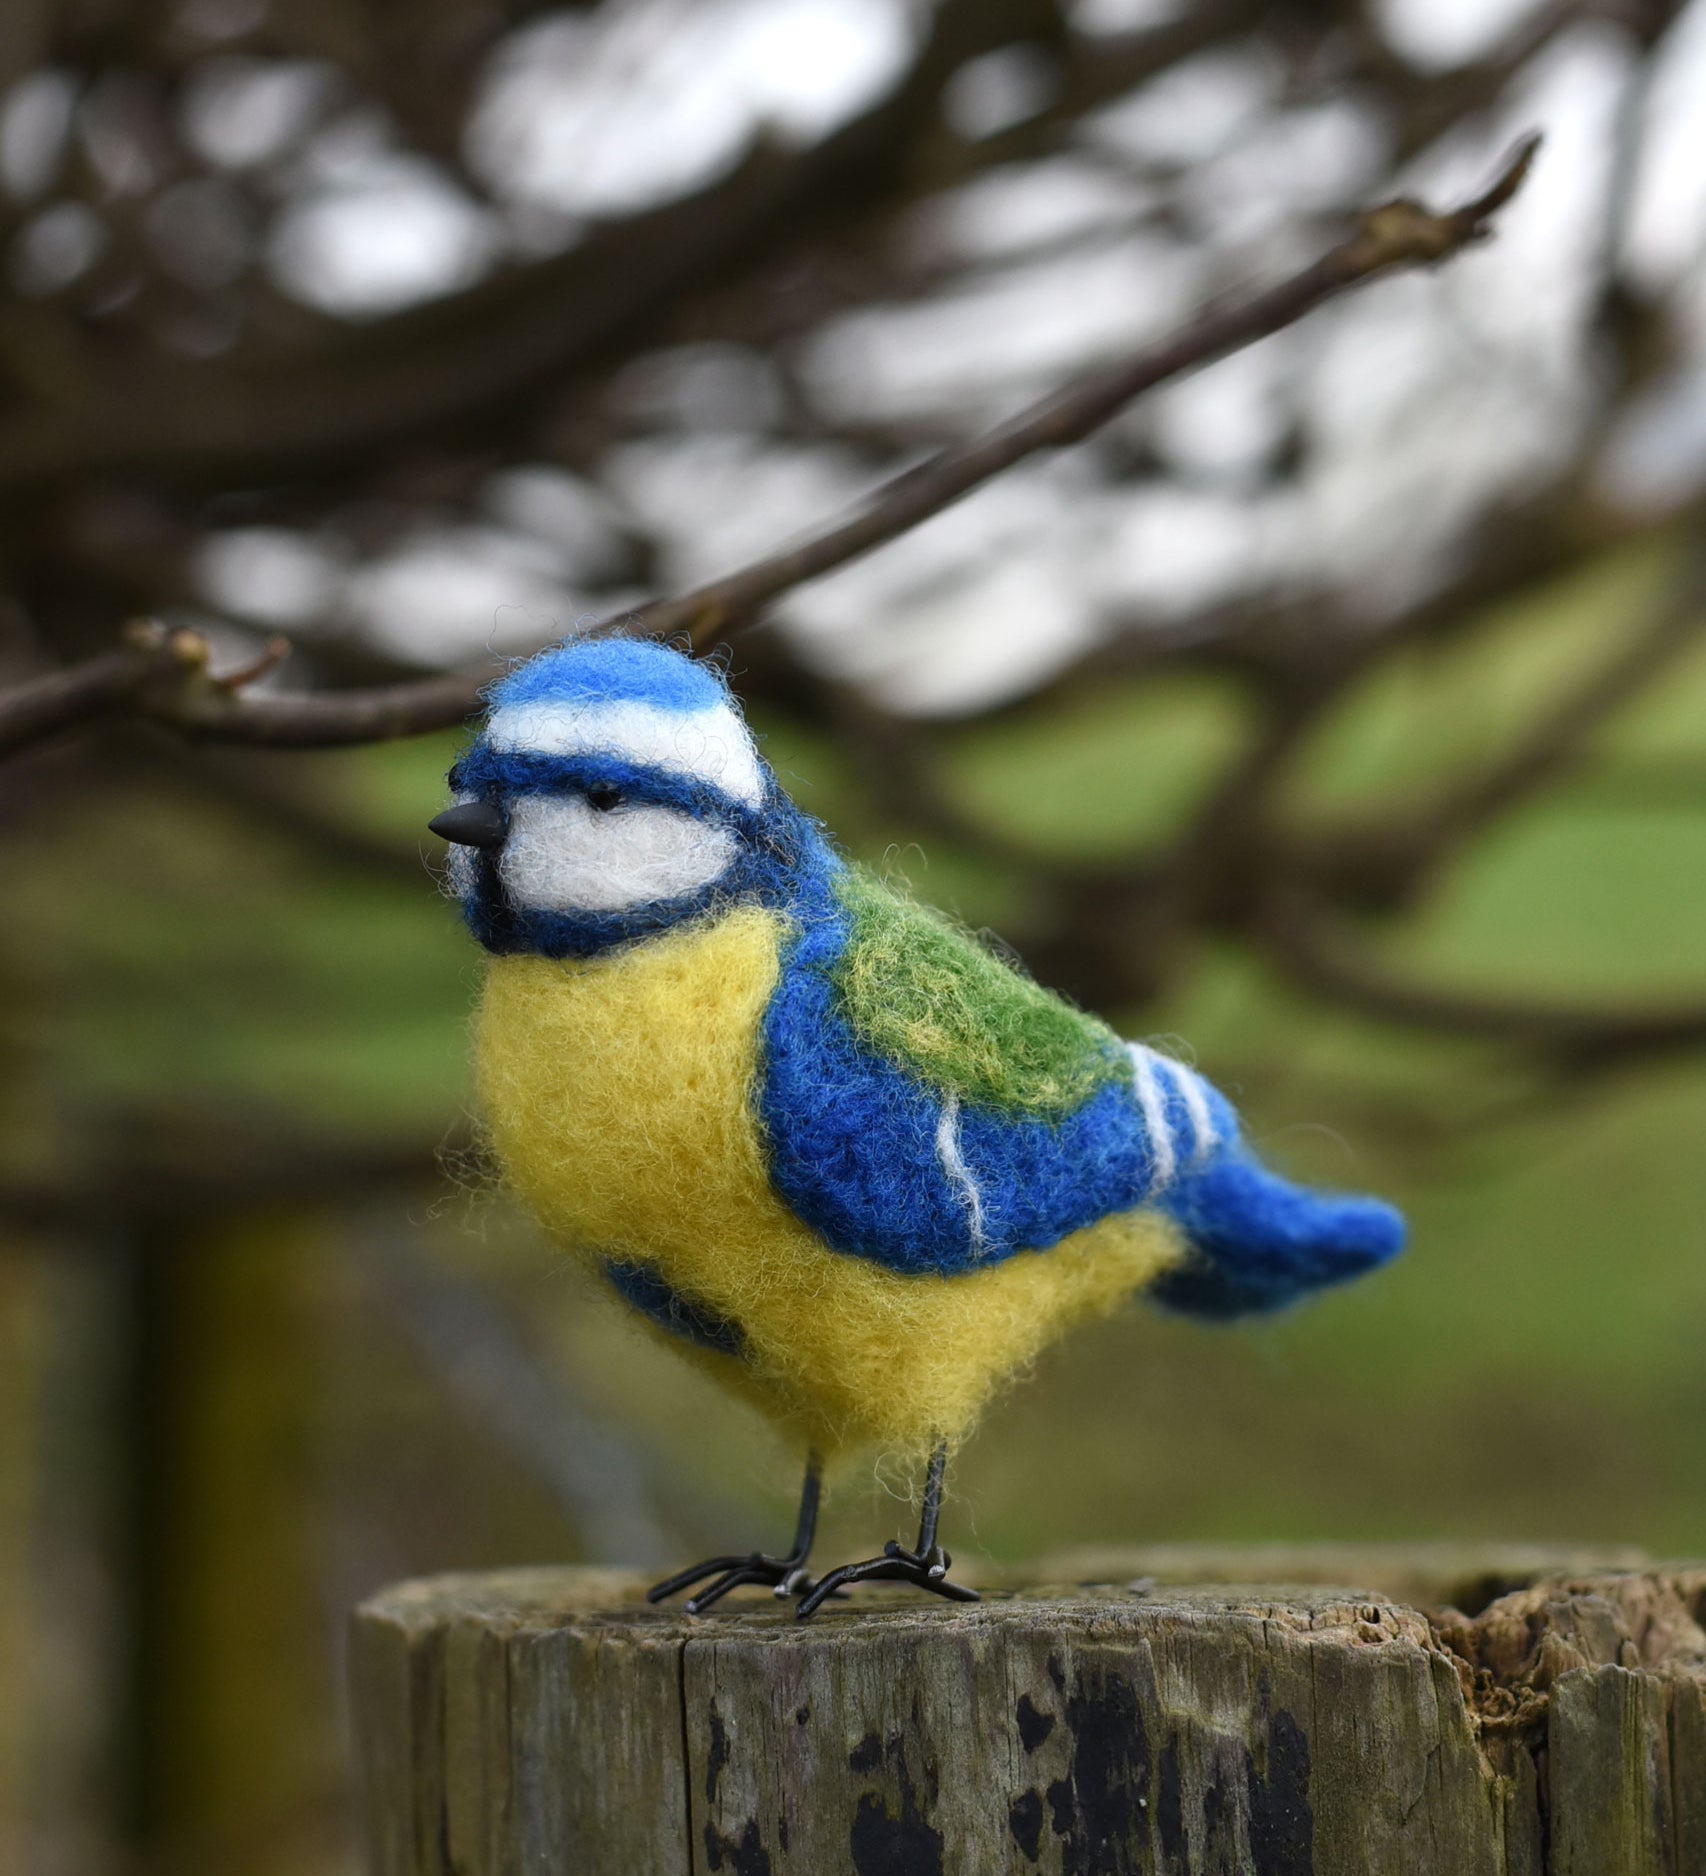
(919, 989)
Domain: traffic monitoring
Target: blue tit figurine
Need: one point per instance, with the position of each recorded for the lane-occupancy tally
(851, 1161)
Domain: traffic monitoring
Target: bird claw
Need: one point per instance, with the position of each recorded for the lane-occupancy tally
(784, 1576)
(923, 1569)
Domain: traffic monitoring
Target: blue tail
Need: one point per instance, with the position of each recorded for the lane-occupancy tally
(1258, 1242)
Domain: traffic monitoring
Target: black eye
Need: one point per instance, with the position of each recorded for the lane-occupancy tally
(603, 796)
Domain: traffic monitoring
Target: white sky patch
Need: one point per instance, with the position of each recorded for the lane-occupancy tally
(390, 233)
(57, 247)
(1287, 168)
(1656, 455)
(1176, 551)
(1527, 291)
(1225, 422)
(1002, 336)
(277, 576)
(575, 526)
(1123, 16)
(237, 112)
(707, 386)
(997, 634)
(35, 123)
(715, 502)
(1191, 112)
(1021, 204)
(442, 595)
(1383, 513)
(1667, 228)
(977, 606)
(613, 111)
(999, 89)
(1438, 34)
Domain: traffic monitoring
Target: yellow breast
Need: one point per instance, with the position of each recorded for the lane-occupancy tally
(619, 1092)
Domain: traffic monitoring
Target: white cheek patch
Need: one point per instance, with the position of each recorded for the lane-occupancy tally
(564, 855)
(705, 745)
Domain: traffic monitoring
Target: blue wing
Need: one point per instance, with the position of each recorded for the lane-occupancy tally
(885, 1164)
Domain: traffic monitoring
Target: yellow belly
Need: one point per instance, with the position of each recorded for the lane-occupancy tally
(619, 1093)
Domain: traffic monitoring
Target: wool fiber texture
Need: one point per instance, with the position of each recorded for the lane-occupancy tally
(830, 1145)
(921, 990)
(650, 1156)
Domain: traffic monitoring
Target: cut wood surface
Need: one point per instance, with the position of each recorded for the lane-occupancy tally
(1441, 1712)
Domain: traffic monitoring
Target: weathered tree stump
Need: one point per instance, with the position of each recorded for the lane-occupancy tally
(1508, 1713)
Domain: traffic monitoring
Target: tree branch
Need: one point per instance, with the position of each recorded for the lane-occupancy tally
(1560, 739)
(37, 709)
(1377, 860)
(531, 1409)
(1318, 955)
(1395, 235)
(459, 363)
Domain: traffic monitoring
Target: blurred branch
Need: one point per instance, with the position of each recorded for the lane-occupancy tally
(1430, 104)
(1099, 69)
(227, 1156)
(1395, 235)
(1660, 784)
(177, 691)
(1236, 868)
(1394, 856)
(500, 1383)
(37, 709)
(1319, 954)
(460, 364)
(274, 802)
(1558, 741)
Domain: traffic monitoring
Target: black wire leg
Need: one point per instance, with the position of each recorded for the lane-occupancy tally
(787, 1576)
(925, 1568)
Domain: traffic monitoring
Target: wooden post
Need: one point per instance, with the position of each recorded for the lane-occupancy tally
(549, 1722)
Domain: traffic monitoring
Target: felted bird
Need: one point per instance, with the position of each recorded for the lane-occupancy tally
(846, 1156)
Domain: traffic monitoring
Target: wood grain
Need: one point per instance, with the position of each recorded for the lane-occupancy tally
(1552, 1724)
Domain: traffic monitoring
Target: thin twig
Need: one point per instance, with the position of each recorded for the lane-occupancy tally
(40, 707)
(1397, 234)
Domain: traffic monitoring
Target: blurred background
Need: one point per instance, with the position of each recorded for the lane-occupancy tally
(1339, 710)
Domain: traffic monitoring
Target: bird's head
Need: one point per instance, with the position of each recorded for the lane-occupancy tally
(612, 791)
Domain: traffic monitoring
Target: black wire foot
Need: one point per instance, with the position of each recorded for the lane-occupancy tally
(926, 1570)
(786, 1576)
(925, 1567)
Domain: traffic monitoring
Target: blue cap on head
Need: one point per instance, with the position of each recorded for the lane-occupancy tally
(631, 701)
(612, 670)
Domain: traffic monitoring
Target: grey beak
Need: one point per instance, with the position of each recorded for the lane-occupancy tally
(471, 824)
